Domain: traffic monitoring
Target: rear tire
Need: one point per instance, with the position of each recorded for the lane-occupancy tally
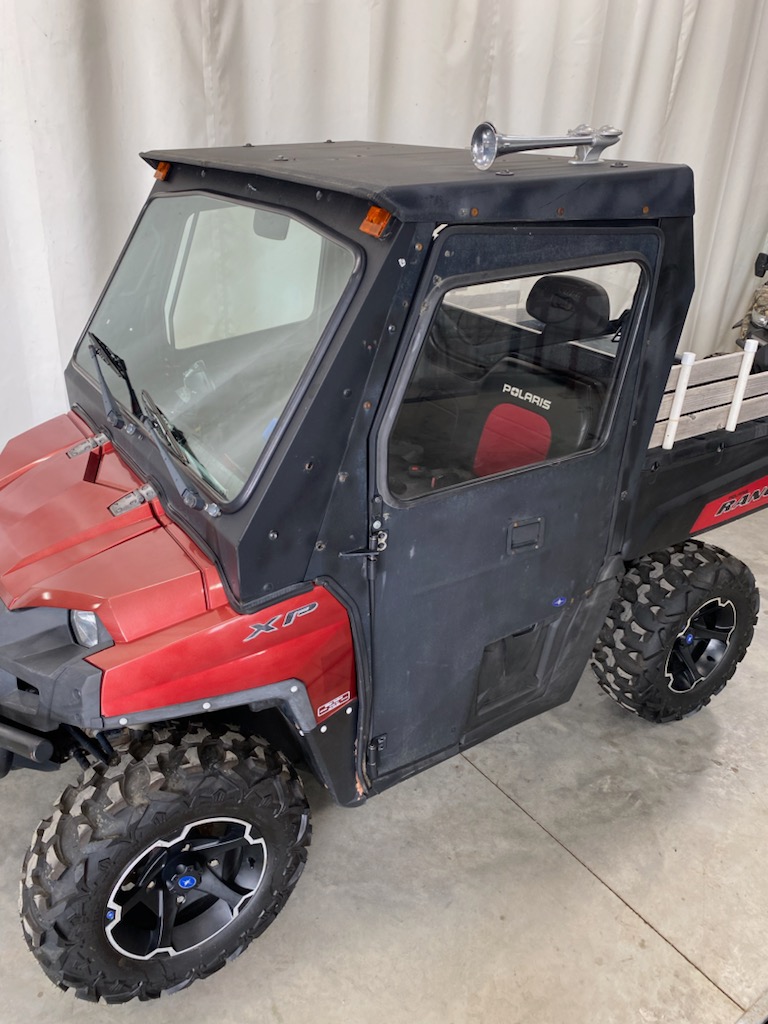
(159, 870)
(680, 624)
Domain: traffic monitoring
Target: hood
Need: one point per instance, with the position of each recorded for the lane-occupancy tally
(60, 545)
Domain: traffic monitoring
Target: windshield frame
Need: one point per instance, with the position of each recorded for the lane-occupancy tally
(296, 396)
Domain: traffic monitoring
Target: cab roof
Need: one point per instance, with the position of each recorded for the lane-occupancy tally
(425, 183)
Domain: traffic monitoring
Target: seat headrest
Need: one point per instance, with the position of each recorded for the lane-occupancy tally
(469, 344)
(579, 308)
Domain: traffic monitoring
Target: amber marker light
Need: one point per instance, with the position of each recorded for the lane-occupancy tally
(162, 170)
(376, 221)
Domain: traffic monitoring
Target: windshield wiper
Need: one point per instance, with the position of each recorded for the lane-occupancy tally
(173, 437)
(97, 348)
(165, 435)
(160, 430)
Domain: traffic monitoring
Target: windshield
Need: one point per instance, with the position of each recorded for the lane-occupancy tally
(216, 308)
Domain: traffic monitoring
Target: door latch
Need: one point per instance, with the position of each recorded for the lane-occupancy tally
(375, 747)
(525, 535)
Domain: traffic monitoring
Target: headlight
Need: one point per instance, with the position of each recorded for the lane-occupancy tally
(85, 628)
(760, 318)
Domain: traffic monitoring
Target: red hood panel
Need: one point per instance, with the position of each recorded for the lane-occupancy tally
(43, 441)
(61, 546)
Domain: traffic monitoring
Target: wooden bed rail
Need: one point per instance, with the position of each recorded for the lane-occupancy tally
(710, 394)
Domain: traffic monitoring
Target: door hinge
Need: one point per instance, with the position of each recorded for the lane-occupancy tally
(377, 542)
(375, 747)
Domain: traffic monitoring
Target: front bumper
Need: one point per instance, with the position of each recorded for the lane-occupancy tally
(45, 680)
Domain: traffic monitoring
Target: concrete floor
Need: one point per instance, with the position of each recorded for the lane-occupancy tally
(583, 867)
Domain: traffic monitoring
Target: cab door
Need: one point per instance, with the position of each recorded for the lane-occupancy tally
(497, 454)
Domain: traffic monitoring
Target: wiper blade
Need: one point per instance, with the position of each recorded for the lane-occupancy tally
(160, 430)
(98, 348)
(111, 409)
(165, 435)
(172, 436)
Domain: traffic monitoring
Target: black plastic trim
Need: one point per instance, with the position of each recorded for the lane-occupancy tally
(329, 746)
(289, 696)
(59, 685)
(362, 671)
(330, 751)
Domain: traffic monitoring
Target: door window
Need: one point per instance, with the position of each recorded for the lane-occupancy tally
(512, 373)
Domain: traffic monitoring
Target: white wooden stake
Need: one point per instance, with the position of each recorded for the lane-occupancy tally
(687, 361)
(750, 347)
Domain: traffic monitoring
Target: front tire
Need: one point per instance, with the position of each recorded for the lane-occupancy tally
(680, 624)
(159, 870)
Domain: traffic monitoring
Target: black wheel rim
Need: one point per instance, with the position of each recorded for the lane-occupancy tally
(700, 646)
(184, 889)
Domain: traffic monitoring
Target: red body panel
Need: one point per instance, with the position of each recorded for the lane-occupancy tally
(747, 498)
(212, 655)
(39, 444)
(215, 594)
(61, 546)
(177, 639)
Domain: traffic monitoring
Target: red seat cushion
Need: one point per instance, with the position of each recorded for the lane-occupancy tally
(512, 437)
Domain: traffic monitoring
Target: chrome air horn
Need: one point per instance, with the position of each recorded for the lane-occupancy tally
(487, 144)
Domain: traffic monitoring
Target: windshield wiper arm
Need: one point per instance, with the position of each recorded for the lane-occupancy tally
(165, 436)
(160, 430)
(98, 348)
(172, 436)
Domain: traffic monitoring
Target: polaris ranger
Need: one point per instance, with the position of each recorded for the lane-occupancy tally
(369, 451)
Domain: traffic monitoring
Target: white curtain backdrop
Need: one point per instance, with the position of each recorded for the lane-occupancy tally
(86, 84)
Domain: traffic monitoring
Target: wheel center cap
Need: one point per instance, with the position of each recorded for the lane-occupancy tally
(185, 880)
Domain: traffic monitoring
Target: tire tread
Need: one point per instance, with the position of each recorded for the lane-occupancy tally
(109, 806)
(657, 593)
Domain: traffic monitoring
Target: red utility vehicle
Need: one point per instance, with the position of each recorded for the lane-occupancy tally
(369, 450)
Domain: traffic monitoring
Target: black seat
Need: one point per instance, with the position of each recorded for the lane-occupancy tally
(534, 411)
(570, 308)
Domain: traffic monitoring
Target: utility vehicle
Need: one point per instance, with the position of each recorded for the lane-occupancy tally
(370, 449)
